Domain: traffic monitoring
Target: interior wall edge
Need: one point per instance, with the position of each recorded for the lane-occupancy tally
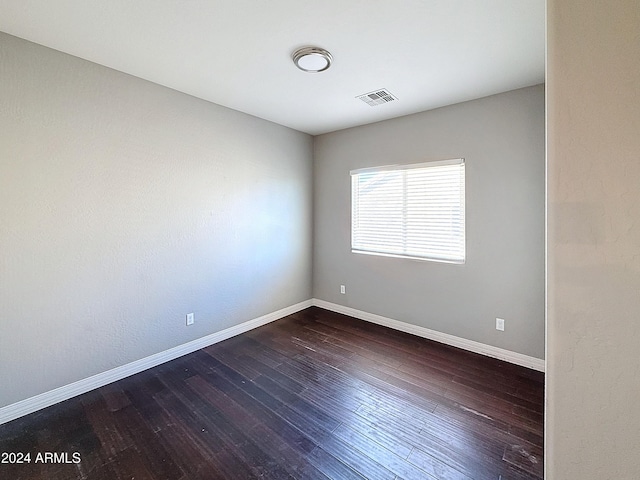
(60, 394)
(516, 358)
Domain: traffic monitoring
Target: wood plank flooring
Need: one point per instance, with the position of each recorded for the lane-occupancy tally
(315, 395)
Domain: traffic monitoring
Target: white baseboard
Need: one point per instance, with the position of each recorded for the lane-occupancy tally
(470, 345)
(46, 399)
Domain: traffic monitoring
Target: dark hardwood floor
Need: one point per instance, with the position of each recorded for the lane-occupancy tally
(314, 395)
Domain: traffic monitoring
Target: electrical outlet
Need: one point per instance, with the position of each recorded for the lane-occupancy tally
(190, 318)
(343, 290)
(500, 324)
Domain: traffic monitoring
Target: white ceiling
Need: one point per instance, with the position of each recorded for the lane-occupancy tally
(237, 53)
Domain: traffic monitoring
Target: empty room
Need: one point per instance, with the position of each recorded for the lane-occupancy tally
(320, 240)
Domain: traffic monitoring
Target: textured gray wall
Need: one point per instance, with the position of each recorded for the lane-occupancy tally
(502, 139)
(593, 319)
(125, 205)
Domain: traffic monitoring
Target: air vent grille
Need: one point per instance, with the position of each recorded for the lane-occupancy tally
(377, 97)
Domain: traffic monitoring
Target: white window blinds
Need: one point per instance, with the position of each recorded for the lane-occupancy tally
(414, 211)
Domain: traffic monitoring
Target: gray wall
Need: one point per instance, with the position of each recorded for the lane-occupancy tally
(593, 337)
(502, 139)
(125, 205)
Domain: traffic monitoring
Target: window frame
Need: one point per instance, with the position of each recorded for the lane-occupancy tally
(461, 256)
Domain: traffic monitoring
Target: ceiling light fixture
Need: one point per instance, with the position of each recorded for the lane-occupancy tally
(312, 59)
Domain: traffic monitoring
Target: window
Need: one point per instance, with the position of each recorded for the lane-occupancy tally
(412, 211)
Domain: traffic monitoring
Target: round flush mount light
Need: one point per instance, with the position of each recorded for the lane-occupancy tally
(312, 59)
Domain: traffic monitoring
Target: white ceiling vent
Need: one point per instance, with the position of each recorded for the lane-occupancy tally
(377, 97)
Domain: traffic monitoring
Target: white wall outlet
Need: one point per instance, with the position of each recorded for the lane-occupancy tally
(500, 324)
(343, 290)
(190, 318)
